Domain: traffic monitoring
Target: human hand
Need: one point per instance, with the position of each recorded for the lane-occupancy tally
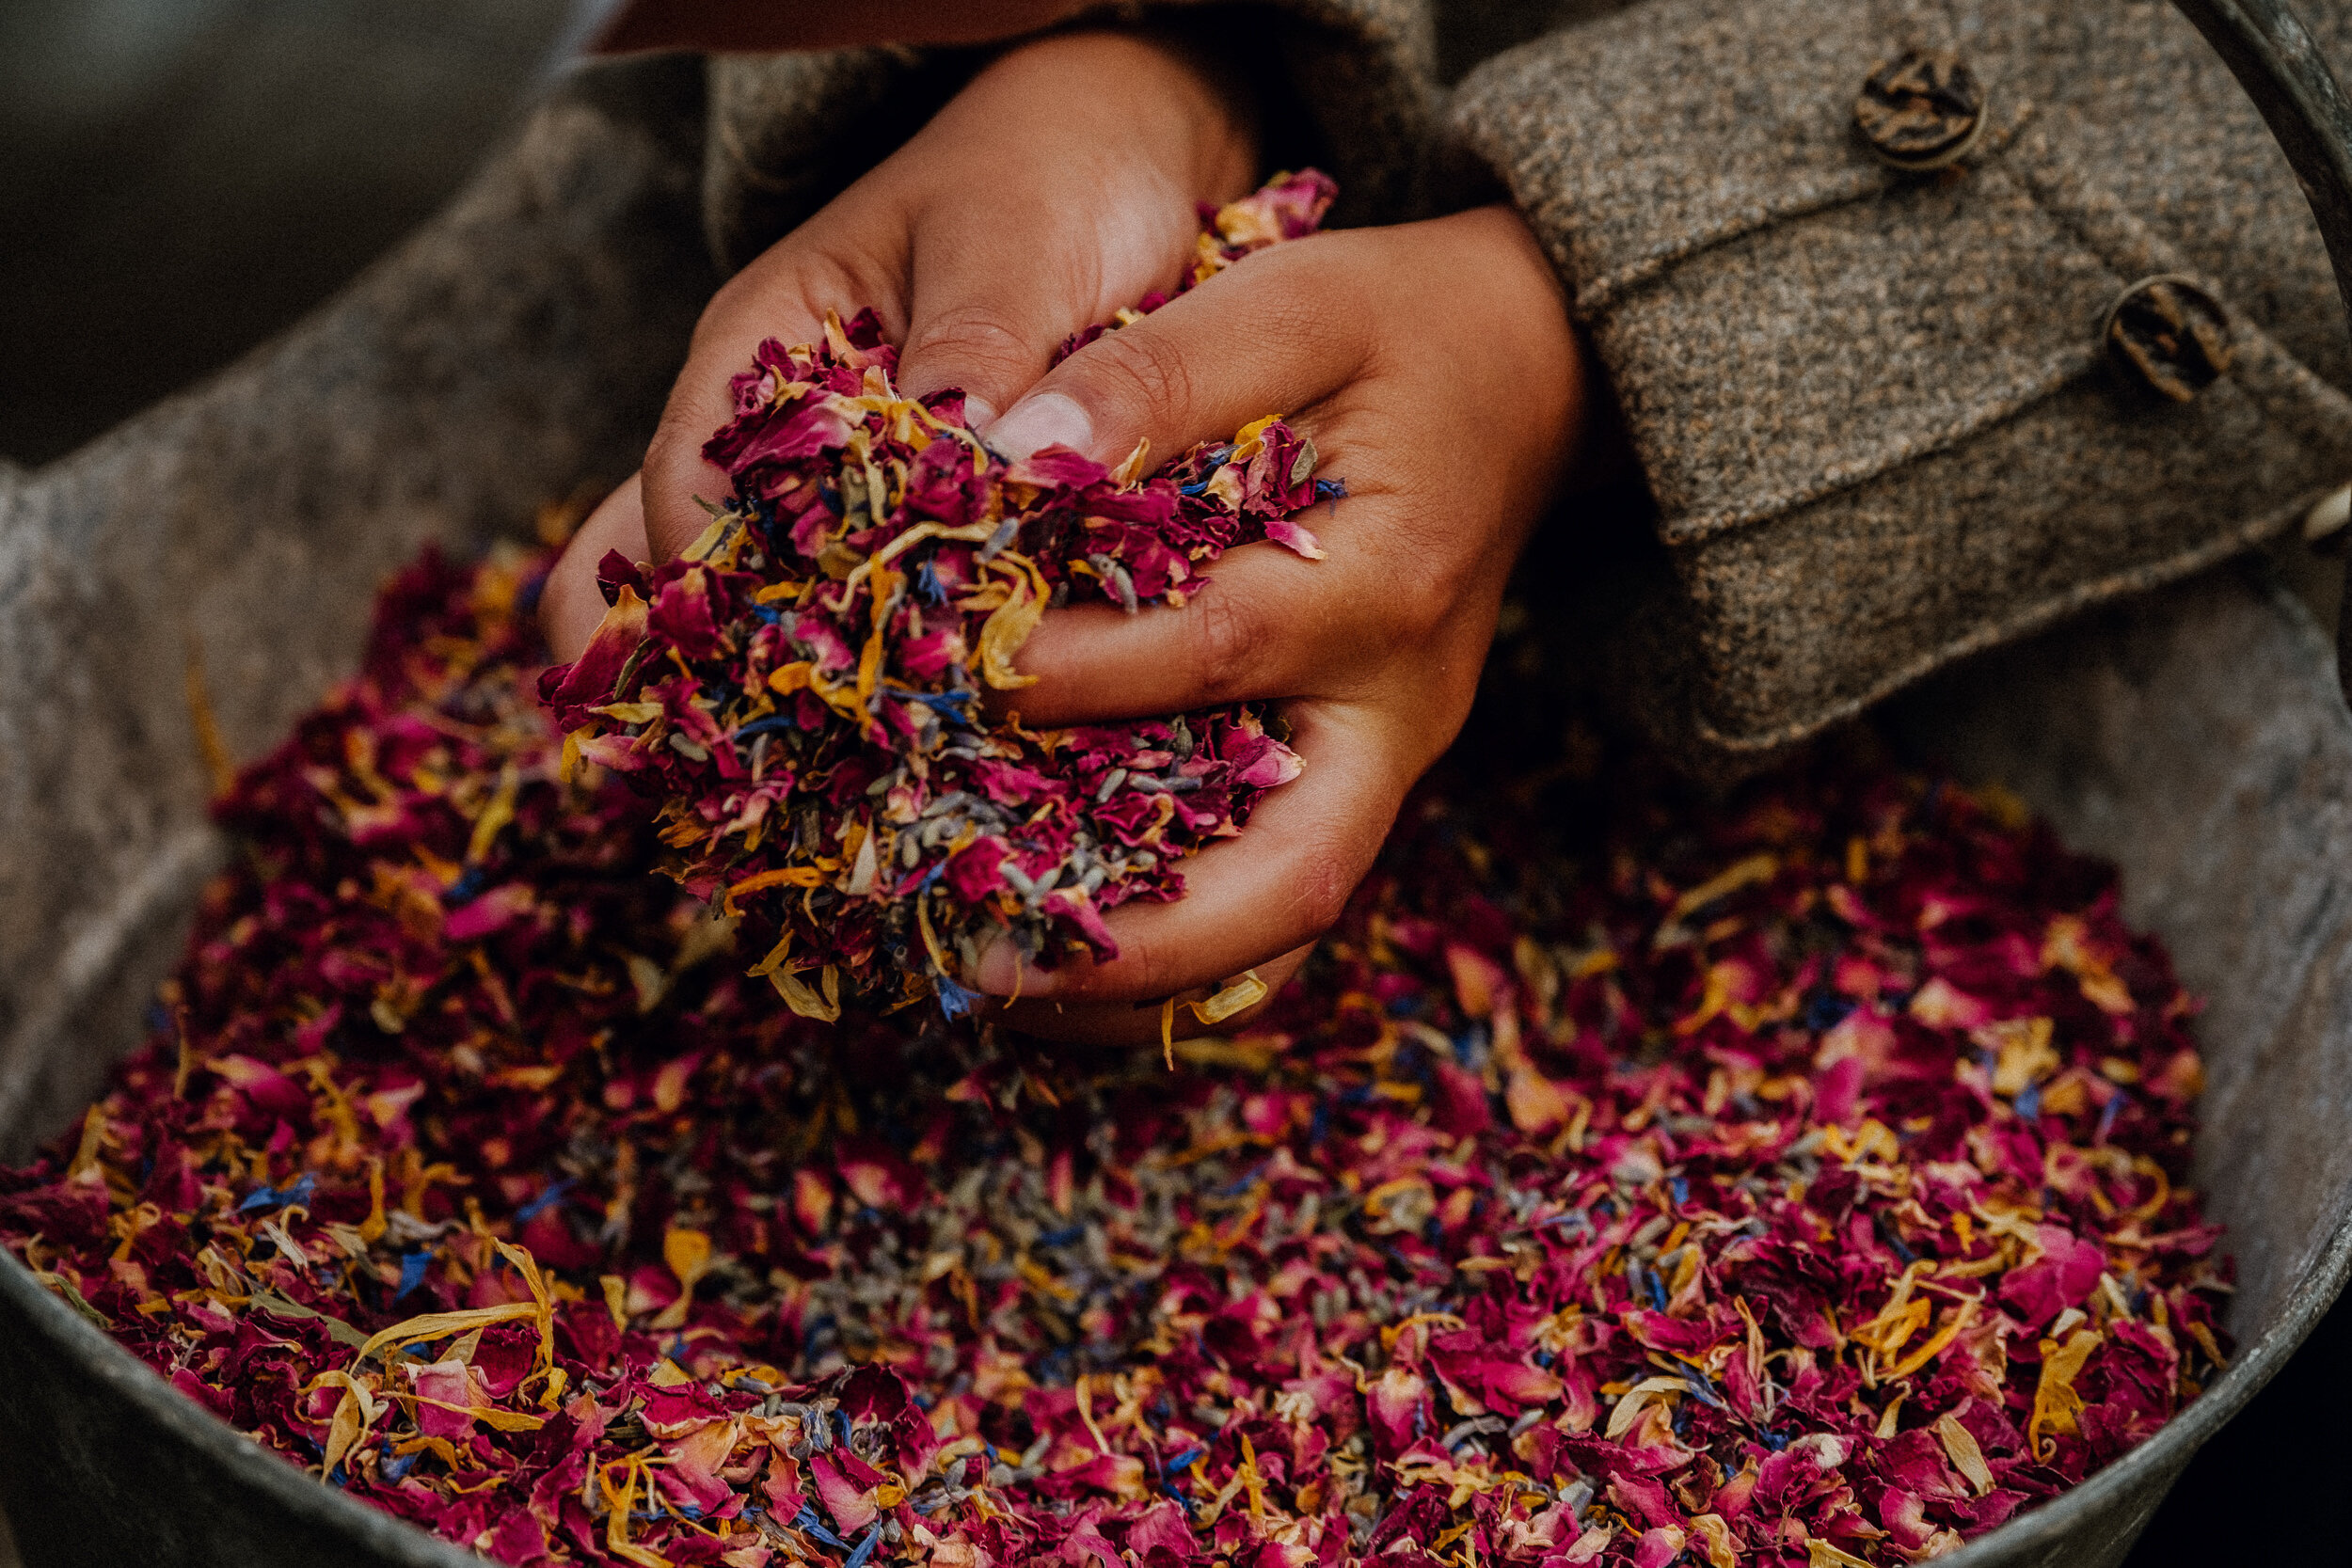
(1060, 185)
(1433, 365)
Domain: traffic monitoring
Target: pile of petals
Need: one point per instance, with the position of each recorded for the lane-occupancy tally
(1787, 1180)
(802, 689)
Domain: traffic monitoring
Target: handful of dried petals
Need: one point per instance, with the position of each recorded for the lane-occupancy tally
(802, 689)
(1786, 1182)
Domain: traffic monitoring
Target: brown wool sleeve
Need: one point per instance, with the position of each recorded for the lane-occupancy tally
(1352, 83)
(1869, 360)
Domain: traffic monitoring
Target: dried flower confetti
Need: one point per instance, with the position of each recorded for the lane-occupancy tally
(1787, 1180)
(803, 687)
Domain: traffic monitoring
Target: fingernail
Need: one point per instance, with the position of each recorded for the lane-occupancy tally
(1049, 418)
(979, 413)
(1002, 972)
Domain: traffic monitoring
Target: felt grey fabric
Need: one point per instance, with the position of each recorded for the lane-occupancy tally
(1872, 406)
(228, 541)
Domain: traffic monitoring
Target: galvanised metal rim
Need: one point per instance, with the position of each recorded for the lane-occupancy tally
(2273, 58)
(174, 1414)
(2181, 1437)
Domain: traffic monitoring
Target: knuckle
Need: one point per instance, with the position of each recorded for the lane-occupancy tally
(673, 460)
(980, 336)
(1432, 603)
(1295, 313)
(785, 294)
(734, 299)
(1144, 376)
(821, 279)
(1229, 641)
(1323, 887)
(1142, 970)
(676, 443)
(669, 470)
(1293, 297)
(1426, 618)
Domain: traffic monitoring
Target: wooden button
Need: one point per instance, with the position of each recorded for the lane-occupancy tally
(2170, 333)
(1921, 111)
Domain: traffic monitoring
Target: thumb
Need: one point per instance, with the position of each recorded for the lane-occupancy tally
(1255, 340)
(992, 302)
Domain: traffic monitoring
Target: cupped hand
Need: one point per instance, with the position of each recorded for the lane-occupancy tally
(1059, 185)
(1433, 365)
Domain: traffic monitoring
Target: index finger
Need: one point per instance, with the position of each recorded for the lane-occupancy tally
(785, 294)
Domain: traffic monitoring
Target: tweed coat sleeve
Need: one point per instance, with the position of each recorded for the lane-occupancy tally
(1355, 94)
(1880, 410)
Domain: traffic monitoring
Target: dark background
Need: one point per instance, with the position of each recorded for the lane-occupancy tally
(2276, 1485)
(180, 179)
